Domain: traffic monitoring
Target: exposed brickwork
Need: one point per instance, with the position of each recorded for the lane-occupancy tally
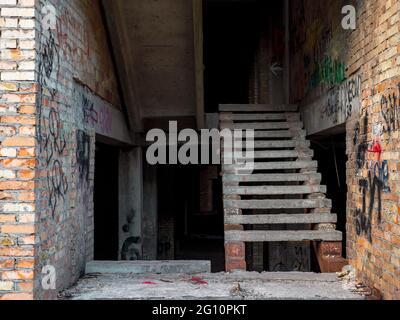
(324, 56)
(55, 72)
(17, 149)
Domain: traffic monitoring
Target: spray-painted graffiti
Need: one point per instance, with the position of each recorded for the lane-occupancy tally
(57, 185)
(343, 101)
(50, 134)
(328, 73)
(83, 155)
(377, 182)
(390, 111)
(53, 140)
(95, 112)
(68, 25)
(360, 142)
(130, 248)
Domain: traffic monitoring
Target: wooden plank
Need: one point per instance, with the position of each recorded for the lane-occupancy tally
(257, 108)
(279, 204)
(277, 177)
(282, 218)
(283, 236)
(274, 190)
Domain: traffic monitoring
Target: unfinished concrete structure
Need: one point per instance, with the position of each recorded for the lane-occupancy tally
(83, 81)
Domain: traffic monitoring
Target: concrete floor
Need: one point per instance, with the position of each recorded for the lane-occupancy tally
(217, 286)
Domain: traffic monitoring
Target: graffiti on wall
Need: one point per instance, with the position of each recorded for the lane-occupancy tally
(68, 25)
(50, 133)
(390, 111)
(343, 101)
(94, 112)
(372, 188)
(318, 46)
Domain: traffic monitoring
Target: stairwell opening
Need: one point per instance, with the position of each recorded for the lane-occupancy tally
(330, 152)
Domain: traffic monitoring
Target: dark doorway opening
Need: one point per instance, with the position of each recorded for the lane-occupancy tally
(190, 215)
(231, 31)
(106, 203)
(330, 152)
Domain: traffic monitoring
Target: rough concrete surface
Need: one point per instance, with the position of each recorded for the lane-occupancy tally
(219, 286)
(141, 267)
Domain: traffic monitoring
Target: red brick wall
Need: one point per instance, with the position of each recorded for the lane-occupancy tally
(373, 51)
(53, 75)
(17, 148)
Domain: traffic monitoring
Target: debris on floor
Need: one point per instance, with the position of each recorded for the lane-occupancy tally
(217, 286)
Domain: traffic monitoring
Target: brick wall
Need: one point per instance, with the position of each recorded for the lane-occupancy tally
(17, 148)
(56, 74)
(326, 58)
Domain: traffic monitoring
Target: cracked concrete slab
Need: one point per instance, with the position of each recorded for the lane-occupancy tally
(219, 286)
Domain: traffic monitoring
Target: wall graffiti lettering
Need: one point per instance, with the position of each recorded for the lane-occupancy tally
(343, 101)
(96, 113)
(67, 24)
(50, 133)
(390, 111)
(83, 155)
(372, 188)
(57, 185)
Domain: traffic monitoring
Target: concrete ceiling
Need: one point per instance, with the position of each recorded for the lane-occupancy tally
(153, 44)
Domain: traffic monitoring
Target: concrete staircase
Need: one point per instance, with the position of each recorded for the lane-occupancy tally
(284, 188)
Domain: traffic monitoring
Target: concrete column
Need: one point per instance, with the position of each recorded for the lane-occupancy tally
(131, 204)
(150, 212)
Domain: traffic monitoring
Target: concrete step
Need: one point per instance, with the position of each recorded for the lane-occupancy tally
(277, 144)
(281, 177)
(274, 190)
(283, 165)
(279, 204)
(259, 117)
(240, 154)
(277, 134)
(143, 267)
(262, 125)
(283, 236)
(257, 108)
(281, 219)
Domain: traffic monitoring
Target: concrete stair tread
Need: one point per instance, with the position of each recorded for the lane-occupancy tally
(279, 204)
(277, 134)
(257, 108)
(262, 125)
(281, 219)
(282, 165)
(284, 236)
(278, 177)
(240, 154)
(259, 116)
(274, 190)
(276, 144)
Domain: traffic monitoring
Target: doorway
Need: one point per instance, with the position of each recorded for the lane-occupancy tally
(106, 244)
(330, 152)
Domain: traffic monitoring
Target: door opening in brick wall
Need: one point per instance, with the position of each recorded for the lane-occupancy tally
(190, 215)
(106, 203)
(230, 38)
(330, 152)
